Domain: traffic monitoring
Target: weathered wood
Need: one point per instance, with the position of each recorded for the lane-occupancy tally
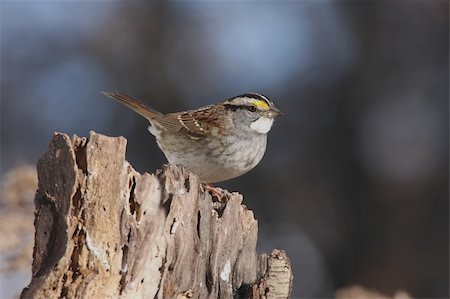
(105, 231)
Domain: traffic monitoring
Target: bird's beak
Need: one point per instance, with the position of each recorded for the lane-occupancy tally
(274, 112)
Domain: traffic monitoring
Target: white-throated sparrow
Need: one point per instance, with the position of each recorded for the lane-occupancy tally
(218, 142)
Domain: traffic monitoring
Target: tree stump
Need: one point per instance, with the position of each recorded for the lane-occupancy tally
(104, 230)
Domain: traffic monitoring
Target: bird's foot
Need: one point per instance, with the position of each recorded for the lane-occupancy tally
(214, 191)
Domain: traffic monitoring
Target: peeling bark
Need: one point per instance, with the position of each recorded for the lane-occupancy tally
(104, 230)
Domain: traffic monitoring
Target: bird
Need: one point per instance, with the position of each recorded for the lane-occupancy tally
(217, 142)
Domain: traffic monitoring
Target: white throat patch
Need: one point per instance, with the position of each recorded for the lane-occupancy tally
(262, 125)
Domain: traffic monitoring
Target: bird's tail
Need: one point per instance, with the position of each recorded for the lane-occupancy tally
(134, 104)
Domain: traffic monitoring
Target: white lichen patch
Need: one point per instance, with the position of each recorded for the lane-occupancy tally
(175, 224)
(124, 269)
(180, 192)
(225, 274)
(97, 251)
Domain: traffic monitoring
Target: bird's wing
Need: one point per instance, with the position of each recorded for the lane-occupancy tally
(196, 124)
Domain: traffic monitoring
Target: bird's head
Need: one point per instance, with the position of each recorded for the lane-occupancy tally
(254, 112)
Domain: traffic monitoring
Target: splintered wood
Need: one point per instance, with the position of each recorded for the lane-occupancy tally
(105, 231)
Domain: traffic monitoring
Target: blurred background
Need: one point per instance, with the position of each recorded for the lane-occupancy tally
(354, 183)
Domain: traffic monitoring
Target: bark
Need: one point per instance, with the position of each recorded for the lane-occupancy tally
(103, 230)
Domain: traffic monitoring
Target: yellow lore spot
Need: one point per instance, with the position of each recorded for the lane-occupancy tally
(261, 104)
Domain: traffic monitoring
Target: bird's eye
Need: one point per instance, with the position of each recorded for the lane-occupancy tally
(251, 108)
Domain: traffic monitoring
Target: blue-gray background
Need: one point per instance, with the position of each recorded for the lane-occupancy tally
(354, 183)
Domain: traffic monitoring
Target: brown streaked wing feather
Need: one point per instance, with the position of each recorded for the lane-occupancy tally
(169, 122)
(194, 123)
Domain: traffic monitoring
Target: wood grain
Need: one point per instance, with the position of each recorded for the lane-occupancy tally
(104, 230)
